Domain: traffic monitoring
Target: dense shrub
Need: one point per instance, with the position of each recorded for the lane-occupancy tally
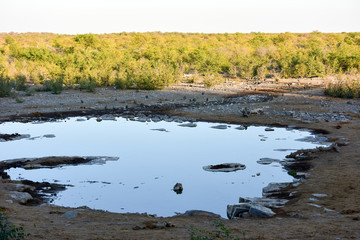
(5, 86)
(155, 60)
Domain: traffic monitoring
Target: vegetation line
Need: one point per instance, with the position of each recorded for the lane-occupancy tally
(155, 60)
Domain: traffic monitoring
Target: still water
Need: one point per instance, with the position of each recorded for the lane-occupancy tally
(151, 162)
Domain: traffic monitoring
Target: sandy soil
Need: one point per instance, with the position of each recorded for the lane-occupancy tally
(336, 174)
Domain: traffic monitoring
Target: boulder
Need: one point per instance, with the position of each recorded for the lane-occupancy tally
(21, 197)
(178, 188)
(258, 210)
(236, 210)
(269, 129)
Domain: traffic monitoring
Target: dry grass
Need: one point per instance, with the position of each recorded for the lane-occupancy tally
(344, 86)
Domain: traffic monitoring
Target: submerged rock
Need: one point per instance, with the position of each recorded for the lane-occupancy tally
(160, 129)
(225, 167)
(49, 135)
(267, 161)
(220, 127)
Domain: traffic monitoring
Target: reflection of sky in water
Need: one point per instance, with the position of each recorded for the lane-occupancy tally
(153, 161)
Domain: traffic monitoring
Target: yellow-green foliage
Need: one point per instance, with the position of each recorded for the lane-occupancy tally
(155, 60)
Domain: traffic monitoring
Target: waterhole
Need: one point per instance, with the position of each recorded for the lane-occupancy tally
(151, 158)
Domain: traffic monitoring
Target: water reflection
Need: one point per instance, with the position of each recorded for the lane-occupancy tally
(153, 157)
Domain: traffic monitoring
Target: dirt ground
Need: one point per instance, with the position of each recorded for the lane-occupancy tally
(334, 173)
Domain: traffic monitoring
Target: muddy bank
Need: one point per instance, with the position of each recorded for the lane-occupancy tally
(324, 205)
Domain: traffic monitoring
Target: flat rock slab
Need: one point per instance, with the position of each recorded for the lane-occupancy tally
(273, 188)
(267, 202)
(258, 210)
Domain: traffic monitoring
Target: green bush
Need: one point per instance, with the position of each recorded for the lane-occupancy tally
(53, 86)
(120, 83)
(9, 231)
(210, 80)
(89, 84)
(6, 86)
(20, 83)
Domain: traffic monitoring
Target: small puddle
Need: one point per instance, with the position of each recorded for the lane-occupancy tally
(152, 158)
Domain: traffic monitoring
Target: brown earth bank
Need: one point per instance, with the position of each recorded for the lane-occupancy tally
(298, 103)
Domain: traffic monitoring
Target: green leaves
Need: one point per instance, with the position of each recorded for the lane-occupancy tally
(9, 231)
(155, 60)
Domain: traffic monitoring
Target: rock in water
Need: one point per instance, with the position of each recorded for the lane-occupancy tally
(220, 127)
(225, 167)
(178, 188)
(188, 125)
(266, 161)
